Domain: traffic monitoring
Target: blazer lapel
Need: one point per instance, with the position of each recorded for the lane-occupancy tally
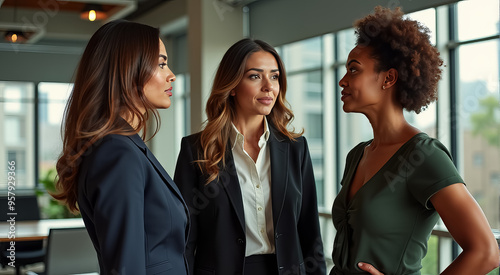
(279, 172)
(228, 178)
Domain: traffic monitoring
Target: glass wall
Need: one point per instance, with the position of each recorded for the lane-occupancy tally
(27, 138)
(478, 102)
(17, 137)
(303, 63)
(52, 98)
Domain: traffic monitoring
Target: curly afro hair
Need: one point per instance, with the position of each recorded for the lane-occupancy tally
(404, 45)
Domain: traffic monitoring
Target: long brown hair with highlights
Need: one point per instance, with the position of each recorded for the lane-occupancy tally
(221, 108)
(118, 61)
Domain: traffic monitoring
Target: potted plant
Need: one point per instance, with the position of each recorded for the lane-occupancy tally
(52, 209)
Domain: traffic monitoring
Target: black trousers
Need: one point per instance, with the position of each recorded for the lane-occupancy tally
(264, 264)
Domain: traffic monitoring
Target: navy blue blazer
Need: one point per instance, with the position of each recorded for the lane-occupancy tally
(133, 211)
(217, 238)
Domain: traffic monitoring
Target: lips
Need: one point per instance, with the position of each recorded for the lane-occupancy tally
(169, 91)
(265, 100)
(344, 95)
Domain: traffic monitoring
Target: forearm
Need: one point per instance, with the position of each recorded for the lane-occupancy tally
(480, 261)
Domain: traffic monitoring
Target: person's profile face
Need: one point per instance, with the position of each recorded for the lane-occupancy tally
(158, 89)
(259, 88)
(361, 84)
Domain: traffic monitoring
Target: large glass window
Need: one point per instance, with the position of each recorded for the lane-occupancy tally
(17, 138)
(23, 132)
(52, 98)
(477, 19)
(478, 116)
(303, 62)
(478, 102)
(303, 55)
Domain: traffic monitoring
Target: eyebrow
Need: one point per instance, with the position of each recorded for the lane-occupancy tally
(353, 60)
(261, 70)
(164, 57)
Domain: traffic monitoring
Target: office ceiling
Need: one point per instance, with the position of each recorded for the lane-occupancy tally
(53, 22)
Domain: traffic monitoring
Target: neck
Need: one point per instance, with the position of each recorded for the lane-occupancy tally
(251, 128)
(132, 120)
(389, 126)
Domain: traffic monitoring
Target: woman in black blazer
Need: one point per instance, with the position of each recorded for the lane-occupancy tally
(246, 178)
(133, 212)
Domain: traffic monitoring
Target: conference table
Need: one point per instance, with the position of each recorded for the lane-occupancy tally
(34, 230)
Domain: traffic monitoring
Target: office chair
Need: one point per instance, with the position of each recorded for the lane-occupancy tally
(70, 251)
(27, 252)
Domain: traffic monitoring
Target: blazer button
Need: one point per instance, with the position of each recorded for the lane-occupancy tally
(241, 241)
(281, 267)
(276, 236)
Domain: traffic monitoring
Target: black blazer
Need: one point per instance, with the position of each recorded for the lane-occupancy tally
(217, 239)
(133, 211)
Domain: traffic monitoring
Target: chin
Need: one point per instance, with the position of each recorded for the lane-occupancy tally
(349, 108)
(266, 113)
(165, 105)
(162, 106)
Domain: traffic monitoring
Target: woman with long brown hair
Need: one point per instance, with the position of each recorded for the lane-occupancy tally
(132, 210)
(247, 178)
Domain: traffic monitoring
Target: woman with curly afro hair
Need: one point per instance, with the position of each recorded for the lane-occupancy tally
(396, 186)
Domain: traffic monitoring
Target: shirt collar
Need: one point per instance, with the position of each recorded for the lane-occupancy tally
(236, 137)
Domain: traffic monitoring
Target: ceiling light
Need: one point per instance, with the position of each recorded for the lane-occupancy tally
(15, 37)
(93, 12)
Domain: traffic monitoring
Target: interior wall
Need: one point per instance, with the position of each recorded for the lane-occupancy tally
(38, 67)
(280, 22)
(213, 27)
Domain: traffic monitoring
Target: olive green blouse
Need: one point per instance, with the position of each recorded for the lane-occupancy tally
(389, 220)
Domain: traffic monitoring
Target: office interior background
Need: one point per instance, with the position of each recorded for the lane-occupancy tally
(313, 37)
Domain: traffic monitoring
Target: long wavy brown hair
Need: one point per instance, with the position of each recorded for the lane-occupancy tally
(118, 61)
(221, 107)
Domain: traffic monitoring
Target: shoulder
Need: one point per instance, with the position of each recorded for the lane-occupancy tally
(190, 148)
(298, 143)
(276, 135)
(192, 139)
(426, 145)
(113, 146)
(114, 160)
(193, 142)
(114, 140)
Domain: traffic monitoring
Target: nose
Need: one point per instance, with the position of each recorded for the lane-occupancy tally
(267, 86)
(171, 77)
(343, 81)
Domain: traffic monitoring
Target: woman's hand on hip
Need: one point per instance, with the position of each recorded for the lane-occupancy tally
(369, 268)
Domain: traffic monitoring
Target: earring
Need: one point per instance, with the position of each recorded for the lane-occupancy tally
(383, 87)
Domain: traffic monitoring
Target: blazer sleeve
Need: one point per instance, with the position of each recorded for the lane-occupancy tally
(186, 177)
(115, 183)
(308, 225)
